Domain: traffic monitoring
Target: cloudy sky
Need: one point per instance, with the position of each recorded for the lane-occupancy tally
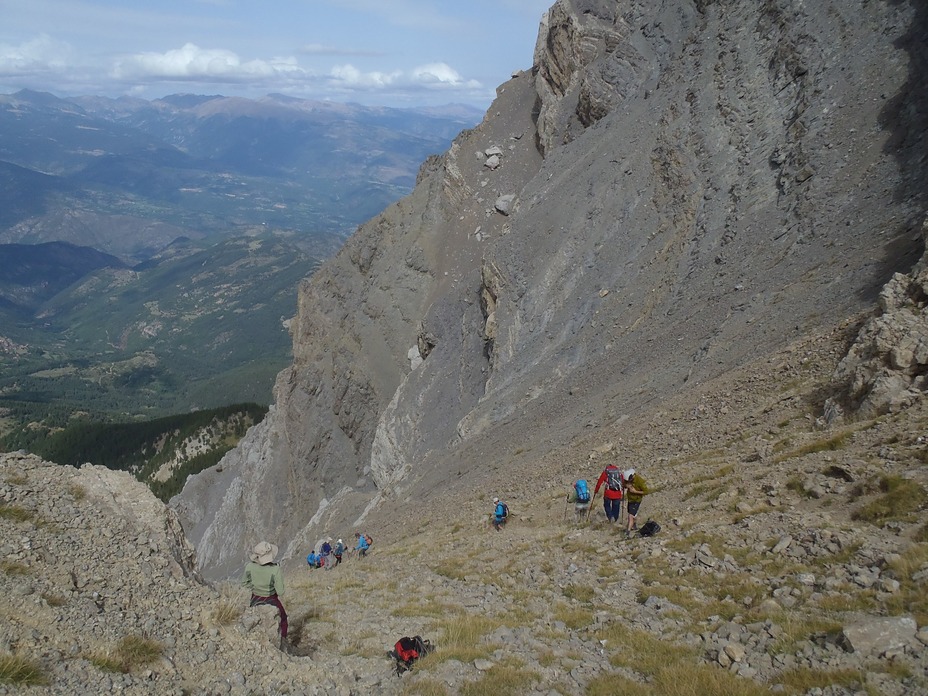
(388, 52)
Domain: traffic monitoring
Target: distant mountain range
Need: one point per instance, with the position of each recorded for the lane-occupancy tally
(150, 251)
(127, 176)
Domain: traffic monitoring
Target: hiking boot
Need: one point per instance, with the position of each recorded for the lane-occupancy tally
(628, 534)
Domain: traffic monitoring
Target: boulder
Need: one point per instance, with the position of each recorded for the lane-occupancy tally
(876, 635)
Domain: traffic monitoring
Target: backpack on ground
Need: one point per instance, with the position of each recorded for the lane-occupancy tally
(650, 528)
(613, 478)
(582, 490)
(407, 650)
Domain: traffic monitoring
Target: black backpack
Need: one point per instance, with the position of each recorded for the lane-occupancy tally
(650, 528)
(613, 479)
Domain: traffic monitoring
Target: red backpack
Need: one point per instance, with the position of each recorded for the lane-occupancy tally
(407, 650)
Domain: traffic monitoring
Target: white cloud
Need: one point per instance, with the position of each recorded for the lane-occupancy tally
(41, 54)
(437, 73)
(194, 63)
(431, 76)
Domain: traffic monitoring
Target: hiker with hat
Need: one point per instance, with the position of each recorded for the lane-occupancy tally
(612, 495)
(500, 514)
(266, 581)
(636, 488)
(338, 551)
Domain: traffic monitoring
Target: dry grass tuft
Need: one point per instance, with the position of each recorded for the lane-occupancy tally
(130, 653)
(901, 499)
(802, 679)
(507, 678)
(21, 671)
(16, 513)
(462, 638)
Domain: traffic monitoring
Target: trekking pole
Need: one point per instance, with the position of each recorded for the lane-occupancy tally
(589, 510)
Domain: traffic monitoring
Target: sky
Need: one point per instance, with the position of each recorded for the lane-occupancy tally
(375, 52)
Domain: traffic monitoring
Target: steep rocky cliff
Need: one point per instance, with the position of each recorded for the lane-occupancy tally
(675, 189)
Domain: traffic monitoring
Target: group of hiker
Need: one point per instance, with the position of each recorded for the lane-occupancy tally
(264, 577)
(326, 555)
(620, 488)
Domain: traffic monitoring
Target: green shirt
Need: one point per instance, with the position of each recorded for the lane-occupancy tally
(639, 483)
(264, 580)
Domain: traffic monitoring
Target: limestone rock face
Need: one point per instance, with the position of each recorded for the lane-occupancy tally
(886, 368)
(693, 185)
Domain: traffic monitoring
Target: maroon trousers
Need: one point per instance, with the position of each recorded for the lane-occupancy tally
(274, 601)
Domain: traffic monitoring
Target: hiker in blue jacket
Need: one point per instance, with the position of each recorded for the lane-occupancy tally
(500, 514)
(363, 545)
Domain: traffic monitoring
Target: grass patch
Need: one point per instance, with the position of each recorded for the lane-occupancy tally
(13, 568)
(425, 608)
(21, 671)
(911, 598)
(226, 612)
(830, 444)
(802, 679)
(921, 534)
(797, 628)
(573, 617)
(452, 568)
(425, 687)
(581, 593)
(16, 513)
(54, 600)
(462, 638)
(667, 669)
(130, 653)
(77, 491)
(507, 678)
(17, 479)
(900, 500)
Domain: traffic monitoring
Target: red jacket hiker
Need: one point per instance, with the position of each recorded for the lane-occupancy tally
(612, 497)
(603, 477)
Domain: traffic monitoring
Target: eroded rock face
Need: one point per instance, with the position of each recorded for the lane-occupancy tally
(886, 368)
(716, 179)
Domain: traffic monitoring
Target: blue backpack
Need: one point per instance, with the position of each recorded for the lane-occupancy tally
(582, 490)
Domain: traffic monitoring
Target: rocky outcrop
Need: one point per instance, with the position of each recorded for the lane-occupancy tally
(886, 369)
(691, 186)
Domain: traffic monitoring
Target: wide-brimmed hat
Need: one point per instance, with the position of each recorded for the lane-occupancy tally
(628, 474)
(264, 553)
(495, 500)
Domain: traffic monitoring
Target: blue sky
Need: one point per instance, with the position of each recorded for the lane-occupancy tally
(378, 52)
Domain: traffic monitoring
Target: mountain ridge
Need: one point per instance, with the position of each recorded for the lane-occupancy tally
(669, 194)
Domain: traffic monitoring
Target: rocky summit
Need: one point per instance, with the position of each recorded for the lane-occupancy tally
(690, 240)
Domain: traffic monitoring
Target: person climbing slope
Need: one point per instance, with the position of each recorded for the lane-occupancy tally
(265, 579)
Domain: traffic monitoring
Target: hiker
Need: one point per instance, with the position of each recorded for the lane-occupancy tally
(266, 581)
(635, 489)
(500, 514)
(363, 544)
(326, 555)
(338, 551)
(612, 496)
(313, 559)
(579, 495)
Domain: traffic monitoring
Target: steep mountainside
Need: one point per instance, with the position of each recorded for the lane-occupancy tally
(675, 190)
